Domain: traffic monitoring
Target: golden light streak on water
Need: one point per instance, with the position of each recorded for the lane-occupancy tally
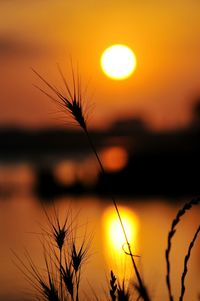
(115, 246)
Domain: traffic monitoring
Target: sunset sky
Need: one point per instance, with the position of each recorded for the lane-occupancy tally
(164, 35)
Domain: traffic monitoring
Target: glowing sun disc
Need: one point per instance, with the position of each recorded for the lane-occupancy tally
(118, 62)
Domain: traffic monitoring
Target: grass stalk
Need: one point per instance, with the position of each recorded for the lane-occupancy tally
(73, 105)
(143, 290)
(60, 262)
(187, 257)
(171, 233)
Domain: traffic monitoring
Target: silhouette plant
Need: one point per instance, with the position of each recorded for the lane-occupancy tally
(68, 268)
(72, 103)
(59, 234)
(118, 292)
(187, 257)
(171, 233)
(60, 278)
(46, 286)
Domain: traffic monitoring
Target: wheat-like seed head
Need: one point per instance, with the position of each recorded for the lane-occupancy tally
(44, 285)
(113, 286)
(123, 292)
(71, 102)
(58, 231)
(68, 277)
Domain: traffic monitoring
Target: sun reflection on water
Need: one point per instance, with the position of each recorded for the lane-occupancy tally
(115, 244)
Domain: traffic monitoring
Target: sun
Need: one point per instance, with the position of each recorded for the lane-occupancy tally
(118, 62)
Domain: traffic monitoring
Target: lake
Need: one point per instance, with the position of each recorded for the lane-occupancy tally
(147, 222)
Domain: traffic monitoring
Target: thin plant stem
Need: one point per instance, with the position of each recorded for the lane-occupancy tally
(61, 289)
(187, 257)
(77, 276)
(141, 285)
(73, 105)
(171, 233)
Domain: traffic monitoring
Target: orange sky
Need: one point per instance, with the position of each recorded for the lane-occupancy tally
(165, 36)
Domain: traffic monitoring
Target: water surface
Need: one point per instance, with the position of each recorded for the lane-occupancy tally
(21, 219)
